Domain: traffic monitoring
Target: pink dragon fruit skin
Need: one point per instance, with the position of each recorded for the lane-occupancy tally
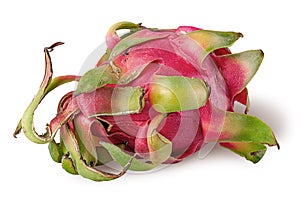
(155, 97)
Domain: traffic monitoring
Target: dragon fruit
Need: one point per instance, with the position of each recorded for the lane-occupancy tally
(155, 97)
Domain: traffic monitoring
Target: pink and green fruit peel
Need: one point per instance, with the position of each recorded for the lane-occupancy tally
(155, 97)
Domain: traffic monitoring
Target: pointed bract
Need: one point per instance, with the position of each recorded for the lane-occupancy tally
(238, 69)
(212, 40)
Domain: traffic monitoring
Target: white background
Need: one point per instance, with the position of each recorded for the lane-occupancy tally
(26, 169)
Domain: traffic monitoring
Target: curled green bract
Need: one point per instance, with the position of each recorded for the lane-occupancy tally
(47, 85)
